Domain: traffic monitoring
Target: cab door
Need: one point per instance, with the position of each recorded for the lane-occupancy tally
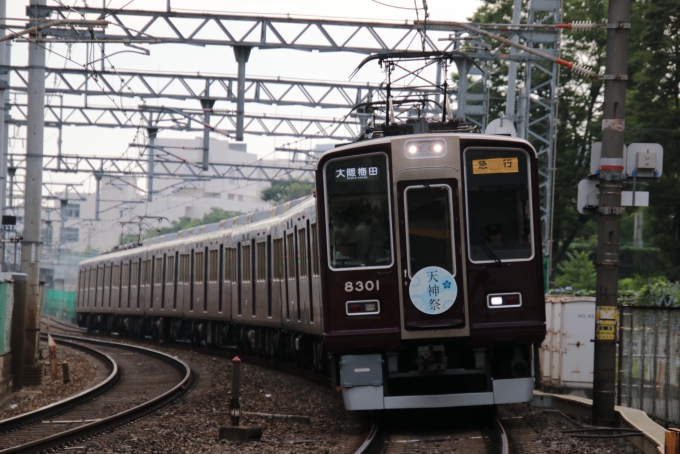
(431, 264)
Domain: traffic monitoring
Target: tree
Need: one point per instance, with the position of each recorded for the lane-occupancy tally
(215, 214)
(578, 115)
(578, 272)
(283, 191)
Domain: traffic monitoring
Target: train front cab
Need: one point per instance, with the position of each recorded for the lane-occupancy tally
(432, 271)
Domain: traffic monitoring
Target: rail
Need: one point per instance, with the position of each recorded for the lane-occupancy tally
(108, 423)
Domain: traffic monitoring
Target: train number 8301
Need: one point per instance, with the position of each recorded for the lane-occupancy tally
(359, 286)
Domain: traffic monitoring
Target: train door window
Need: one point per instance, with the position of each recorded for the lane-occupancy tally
(261, 274)
(125, 282)
(302, 245)
(429, 226)
(291, 256)
(170, 269)
(184, 269)
(315, 250)
(245, 264)
(116, 276)
(107, 284)
(213, 266)
(158, 271)
(230, 266)
(145, 273)
(134, 279)
(278, 259)
(199, 267)
(358, 212)
(296, 265)
(498, 204)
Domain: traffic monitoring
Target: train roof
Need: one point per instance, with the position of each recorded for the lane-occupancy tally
(202, 232)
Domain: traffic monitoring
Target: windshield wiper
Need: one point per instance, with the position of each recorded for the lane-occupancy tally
(487, 248)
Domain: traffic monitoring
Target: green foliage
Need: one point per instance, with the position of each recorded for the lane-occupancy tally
(283, 191)
(578, 272)
(185, 222)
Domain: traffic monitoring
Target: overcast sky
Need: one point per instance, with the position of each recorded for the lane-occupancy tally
(220, 60)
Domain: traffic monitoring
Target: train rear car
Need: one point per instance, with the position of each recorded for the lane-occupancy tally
(431, 269)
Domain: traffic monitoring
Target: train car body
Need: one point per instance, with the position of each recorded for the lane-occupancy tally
(414, 276)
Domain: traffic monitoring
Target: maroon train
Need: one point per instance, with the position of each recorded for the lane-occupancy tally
(414, 276)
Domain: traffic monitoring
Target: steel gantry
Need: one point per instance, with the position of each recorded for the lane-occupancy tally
(536, 105)
(168, 168)
(261, 90)
(57, 115)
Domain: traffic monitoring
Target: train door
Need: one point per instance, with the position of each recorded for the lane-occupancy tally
(246, 288)
(303, 275)
(221, 279)
(157, 283)
(261, 285)
(106, 301)
(229, 286)
(125, 286)
(291, 276)
(430, 231)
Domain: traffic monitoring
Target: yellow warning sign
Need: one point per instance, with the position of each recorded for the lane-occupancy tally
(606, 318)
(495, 165)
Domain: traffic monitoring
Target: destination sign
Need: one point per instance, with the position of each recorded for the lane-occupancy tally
(356, 173)
(495, 165)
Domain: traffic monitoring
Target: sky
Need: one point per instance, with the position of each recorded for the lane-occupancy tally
(220, 60)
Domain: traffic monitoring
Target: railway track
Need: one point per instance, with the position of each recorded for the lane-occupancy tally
(470, 432)
(140, 381)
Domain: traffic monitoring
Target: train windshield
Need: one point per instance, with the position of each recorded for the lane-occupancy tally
(358, 212)
(498, 205)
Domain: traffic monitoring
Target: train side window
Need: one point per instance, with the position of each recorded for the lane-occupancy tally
(261, 252)
(302, 246)
(170, 269)
(158, 271)
(358, 212)
(199, 267)
(429, 226)
(213, 266)
(278, 259)
(245, 263)
(315, 251)
(498, 204)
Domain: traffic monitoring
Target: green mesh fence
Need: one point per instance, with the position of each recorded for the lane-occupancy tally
(6, 304)
(60, 304)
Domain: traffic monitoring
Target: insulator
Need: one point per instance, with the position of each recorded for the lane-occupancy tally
(584, 25)
(584, 71)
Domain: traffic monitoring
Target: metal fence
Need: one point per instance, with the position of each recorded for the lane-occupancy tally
(649, 361)
(60, 304)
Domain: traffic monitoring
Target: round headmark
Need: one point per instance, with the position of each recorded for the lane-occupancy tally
(433, 290)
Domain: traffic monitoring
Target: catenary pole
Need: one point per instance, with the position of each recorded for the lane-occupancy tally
(609, 218)
(30, 245)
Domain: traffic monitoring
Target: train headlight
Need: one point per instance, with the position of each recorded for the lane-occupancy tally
(425, 148)
(503, 300)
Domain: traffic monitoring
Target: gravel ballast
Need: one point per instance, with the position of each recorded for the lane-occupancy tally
(83, 370)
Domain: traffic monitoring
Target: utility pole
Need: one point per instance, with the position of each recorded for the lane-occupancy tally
(30, 245)
(609, 218)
